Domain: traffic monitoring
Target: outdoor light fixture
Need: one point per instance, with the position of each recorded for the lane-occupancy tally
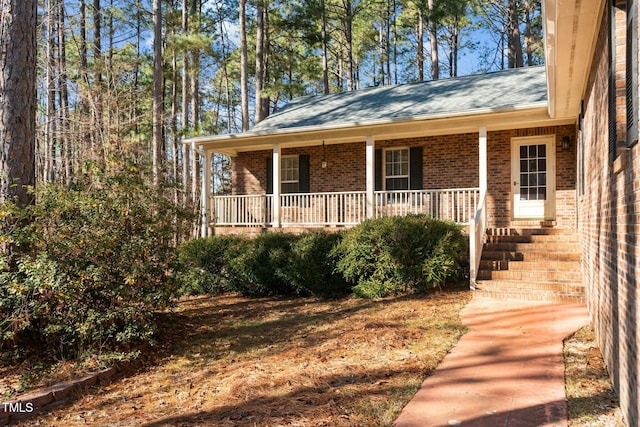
(565, 142)
(324, 156)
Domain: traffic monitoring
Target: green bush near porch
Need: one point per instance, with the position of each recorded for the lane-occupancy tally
(271, 264)
(394, 255)
(376, 258)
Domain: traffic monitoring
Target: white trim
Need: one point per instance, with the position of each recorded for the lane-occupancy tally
(549, 205)
(482, 160)
(276, 185)
(370, 156)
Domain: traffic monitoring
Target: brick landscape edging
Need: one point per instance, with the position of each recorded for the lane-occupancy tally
(32, 403)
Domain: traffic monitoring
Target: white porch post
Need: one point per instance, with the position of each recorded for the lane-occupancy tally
(206, 194)
(370, 174)
(194, 172)
(276, 185)
(482, 154)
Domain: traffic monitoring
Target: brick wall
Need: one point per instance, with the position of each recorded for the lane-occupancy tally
(449, 161)
(609, 218)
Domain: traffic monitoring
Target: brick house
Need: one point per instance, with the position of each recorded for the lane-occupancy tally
(541, 163)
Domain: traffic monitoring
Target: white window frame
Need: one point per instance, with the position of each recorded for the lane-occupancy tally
(283, 181)
(384, 167)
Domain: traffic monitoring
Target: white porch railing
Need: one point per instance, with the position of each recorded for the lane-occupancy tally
(455, 204)
(307, 209)
(477, 231)
(242, 210)
(343, 208)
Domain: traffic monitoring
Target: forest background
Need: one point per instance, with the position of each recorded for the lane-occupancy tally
(134, 77)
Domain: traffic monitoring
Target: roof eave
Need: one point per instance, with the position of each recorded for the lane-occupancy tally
(525, 115)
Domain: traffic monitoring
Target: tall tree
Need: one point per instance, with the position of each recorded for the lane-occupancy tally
(158, 104)
(513, 35)
(17, 99)
(244, 87)
(433, 39)
(261, 60)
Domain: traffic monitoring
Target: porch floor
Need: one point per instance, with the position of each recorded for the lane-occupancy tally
(506, 371)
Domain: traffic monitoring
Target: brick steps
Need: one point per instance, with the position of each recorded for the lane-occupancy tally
(536, 264)
(488, 255)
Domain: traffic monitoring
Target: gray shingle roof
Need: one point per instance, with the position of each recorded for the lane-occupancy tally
(498, 91)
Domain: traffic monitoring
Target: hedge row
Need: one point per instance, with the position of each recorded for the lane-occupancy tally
(374, 259)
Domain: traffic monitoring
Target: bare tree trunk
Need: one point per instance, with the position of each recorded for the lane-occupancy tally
(185, 70)
(64, 93)
(84, 90)
(195, 70)
(260, 114)
(157, 91)
(97, 89)
(513, 35)
(18, 96)
(244, 87)
(528, 33)
(325, 53)
(433, 39)
(348, 16)
(50, 129)
(420, 44)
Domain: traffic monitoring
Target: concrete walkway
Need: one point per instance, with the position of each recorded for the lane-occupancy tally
(508, 369)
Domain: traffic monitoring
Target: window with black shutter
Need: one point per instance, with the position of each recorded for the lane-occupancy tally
(294, 174)
(398, 169)
(613, 133)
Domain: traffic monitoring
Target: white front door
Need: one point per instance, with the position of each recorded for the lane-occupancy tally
(533, 176)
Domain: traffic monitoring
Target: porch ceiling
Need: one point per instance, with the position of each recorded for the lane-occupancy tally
(571, 30)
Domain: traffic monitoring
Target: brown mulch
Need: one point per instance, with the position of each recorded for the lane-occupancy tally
(229, 360)
(591, 401)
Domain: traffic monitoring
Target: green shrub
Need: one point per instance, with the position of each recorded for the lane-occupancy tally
(396, 254)
(203, 265)
(90, 265)
(270, 264)
(259, 266)
(313, 266)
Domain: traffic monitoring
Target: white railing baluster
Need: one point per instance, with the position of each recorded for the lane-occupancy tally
(343, 208)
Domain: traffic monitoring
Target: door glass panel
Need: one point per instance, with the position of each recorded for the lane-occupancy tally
(533, 167)
(542, 150)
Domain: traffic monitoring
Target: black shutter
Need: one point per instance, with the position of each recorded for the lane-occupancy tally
(269, 175)
(378, 169)
(613, 137)
(415, 168)
(632, 72)
(303, 177)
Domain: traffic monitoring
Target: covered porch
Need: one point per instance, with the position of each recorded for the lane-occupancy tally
(453, 150)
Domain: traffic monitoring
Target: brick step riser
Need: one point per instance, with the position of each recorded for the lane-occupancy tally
(533, 276)
(534, 239)
(531, 231)
(530, 256)
(532, 247)
(525, 296)
(545, 266)
(494, 285)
